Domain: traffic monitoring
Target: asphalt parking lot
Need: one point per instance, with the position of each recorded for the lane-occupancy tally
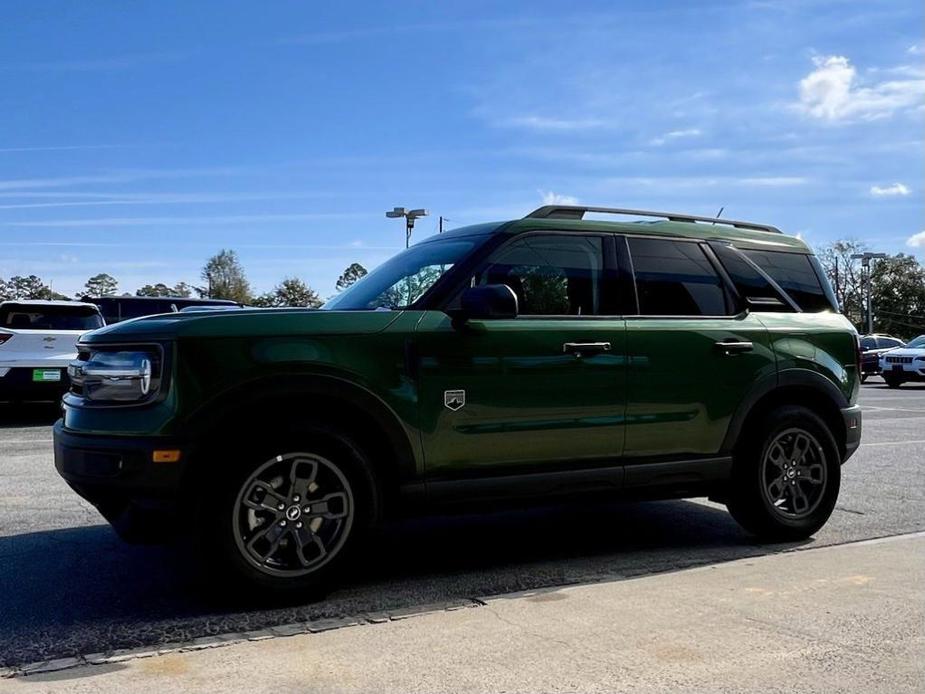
(69, 586)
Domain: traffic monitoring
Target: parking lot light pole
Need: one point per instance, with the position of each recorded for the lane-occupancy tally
(410, 216)
(865, 259)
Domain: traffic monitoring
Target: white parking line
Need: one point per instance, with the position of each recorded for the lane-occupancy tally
(892, 443)
(23, 441)
(892, 409)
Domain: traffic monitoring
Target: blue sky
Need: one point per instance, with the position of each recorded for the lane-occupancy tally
(140, 138)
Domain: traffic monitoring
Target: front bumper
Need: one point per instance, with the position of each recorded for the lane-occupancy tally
(914, 371)
(853, 425)
(118, 475)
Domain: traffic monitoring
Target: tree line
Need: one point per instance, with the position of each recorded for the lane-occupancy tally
(897, 287)
(223, 277)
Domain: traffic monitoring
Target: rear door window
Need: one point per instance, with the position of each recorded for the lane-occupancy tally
(796, 275)
(675, 278)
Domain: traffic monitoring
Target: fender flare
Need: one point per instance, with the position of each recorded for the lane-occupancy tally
(800, 378)
(237, 400)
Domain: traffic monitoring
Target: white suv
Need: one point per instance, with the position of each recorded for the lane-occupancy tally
(904, 363)
(37, 342)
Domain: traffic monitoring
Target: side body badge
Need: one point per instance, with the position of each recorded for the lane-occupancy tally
(454, 399)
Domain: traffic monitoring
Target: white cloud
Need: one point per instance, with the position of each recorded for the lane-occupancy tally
(833, 92)
(545, 123)
(917, 240)
(775, 181)
(889, 191)
(916, 49)
(550, 198)
(675, 135)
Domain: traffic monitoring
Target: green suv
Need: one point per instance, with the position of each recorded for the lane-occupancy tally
(543, 357)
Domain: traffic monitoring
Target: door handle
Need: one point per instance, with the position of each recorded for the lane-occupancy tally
(581, 348)
(735, 346)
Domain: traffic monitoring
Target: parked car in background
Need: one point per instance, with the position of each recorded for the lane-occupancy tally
(38, 339)
(872, 348)
(904, 363)
(120, 308)
(536, 358)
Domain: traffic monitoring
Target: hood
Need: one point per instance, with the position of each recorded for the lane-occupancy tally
(905, 352)
(244, 323)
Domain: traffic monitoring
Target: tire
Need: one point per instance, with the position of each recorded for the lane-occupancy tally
(327, 488)
(760, 498)
(863, 378)
(892, 382)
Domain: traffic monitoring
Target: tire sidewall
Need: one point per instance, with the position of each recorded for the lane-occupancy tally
(753, 507)
(231, 470)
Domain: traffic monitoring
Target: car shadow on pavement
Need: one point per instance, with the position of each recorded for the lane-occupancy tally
(82, 590)
(904, 387)
(28, 414)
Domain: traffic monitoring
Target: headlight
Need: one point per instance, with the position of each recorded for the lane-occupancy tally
(115, 375)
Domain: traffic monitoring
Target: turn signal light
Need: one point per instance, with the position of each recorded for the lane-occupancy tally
(167, 456)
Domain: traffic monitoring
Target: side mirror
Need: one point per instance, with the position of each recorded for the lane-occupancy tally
(488, 301)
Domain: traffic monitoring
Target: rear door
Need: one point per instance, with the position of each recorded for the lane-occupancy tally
(542, 392)
(692, 356)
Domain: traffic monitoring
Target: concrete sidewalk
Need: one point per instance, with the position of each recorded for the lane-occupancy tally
(849, 618)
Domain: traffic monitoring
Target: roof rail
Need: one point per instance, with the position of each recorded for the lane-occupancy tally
(578, 212)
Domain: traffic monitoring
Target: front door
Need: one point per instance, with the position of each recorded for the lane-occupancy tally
(541, 392)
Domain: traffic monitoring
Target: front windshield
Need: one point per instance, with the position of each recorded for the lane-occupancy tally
(402, 280)
(917, 343)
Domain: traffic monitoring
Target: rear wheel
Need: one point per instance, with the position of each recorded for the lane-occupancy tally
(786, 477)
(290, 513)
(863, 378)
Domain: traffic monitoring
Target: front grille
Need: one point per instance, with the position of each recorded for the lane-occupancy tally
(899, 360)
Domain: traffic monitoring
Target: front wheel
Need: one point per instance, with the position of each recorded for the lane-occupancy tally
(786, 478)
(892, 381)
(289, 515)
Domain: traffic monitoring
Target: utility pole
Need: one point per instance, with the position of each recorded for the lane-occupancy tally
(865, 259)
(440, 226)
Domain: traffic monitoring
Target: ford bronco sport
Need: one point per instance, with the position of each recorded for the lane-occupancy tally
(550, 355)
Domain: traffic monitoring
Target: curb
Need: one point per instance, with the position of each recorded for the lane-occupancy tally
(230, 639)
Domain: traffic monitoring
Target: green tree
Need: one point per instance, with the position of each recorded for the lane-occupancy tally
(846, 276)
(100, 285)
(898, 296)
(353, 272)
(30, 287)
(290, 292)
(225, 278)
(181, 289)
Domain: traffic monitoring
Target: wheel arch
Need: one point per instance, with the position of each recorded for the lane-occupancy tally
(331, 400)
(791, 387)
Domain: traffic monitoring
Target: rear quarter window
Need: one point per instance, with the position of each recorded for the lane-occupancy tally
(796, 274)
